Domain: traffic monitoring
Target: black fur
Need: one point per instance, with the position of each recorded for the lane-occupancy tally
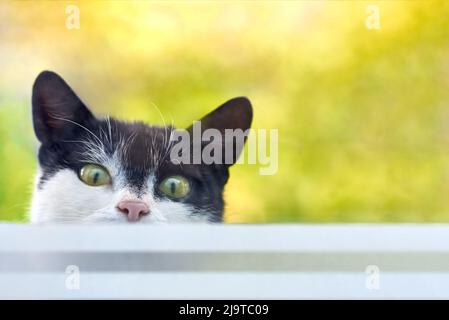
(61, 120)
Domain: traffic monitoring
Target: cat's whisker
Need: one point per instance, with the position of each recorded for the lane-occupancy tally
(159, 111)
(166, 138)
(128, 142)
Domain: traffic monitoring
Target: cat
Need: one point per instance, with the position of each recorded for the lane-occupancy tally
(94, 170)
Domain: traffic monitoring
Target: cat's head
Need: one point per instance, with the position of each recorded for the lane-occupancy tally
(106, 170)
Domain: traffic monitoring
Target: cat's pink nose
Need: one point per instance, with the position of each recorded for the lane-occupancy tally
(134, 209)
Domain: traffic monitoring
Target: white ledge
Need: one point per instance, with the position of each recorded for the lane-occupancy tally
(237, 238)
(225, 261)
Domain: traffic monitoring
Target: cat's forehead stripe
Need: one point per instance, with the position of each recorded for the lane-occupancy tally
(137, 149)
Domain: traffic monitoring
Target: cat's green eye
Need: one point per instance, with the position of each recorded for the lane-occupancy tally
(94, 175)
(176, 187)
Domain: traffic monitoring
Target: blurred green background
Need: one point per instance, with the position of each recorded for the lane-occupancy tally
(363, 115)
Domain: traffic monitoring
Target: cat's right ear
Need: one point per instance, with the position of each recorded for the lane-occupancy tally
(57, 111)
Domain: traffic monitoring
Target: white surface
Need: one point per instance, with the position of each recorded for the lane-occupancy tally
(288, 237)
(227, 286)
(193, 261)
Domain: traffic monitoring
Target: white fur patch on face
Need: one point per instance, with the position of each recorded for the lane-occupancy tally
(64, 198)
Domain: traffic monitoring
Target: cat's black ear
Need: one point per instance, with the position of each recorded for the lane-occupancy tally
(235, 114)
(57, 111)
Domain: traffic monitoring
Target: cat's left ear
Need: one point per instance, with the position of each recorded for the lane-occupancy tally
(235, 114)
(58, 113)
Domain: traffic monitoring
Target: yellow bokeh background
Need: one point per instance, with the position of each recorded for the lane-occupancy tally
(362, 114)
